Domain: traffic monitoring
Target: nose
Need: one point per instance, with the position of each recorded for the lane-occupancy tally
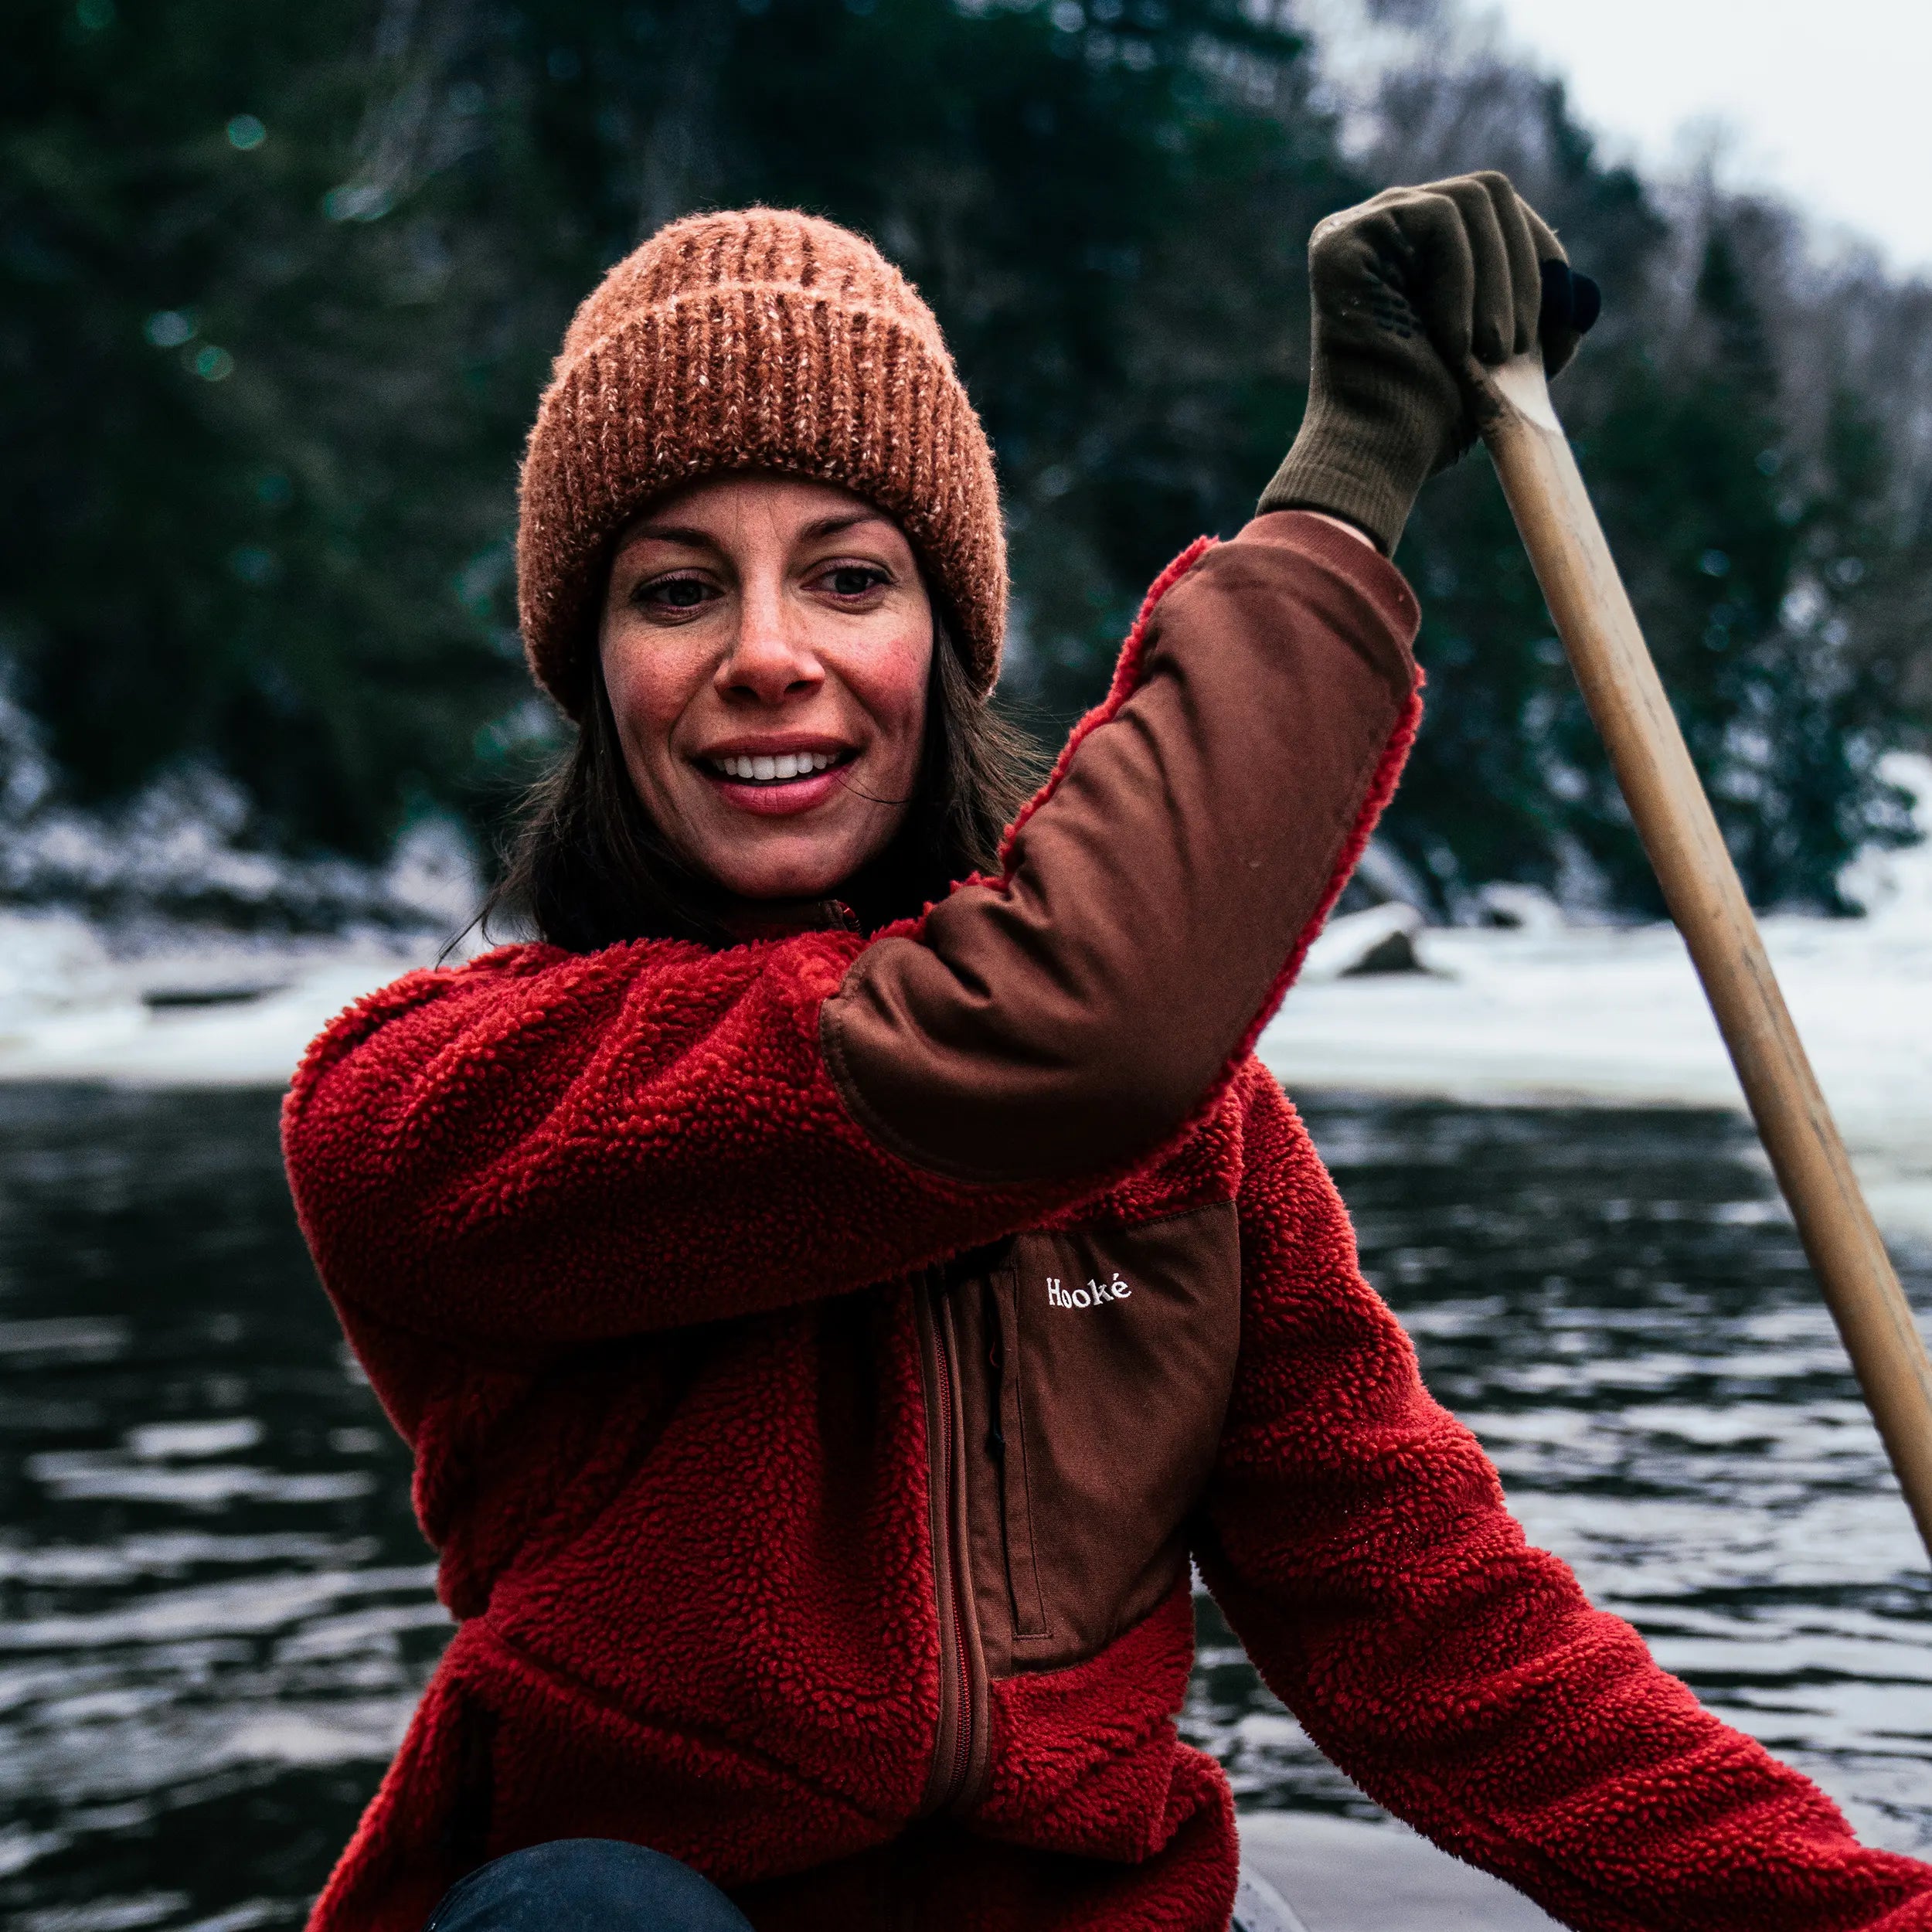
(770, 659)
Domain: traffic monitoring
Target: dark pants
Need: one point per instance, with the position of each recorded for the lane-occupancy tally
(586, 1885)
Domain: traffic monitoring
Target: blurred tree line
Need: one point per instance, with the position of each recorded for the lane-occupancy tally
(278, 289)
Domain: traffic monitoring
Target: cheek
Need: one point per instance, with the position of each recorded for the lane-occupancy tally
(649, 689)
(892, 687)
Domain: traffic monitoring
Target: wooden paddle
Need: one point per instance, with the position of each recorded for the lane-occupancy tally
(1620, 683)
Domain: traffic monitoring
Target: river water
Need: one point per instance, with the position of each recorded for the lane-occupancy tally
(215, 1612)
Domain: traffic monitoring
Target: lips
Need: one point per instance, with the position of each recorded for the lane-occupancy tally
(775, 780)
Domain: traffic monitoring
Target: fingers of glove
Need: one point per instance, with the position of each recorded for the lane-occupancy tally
(1526, 236)
(1441, 275)
(1493, 298)
(1527, 242)
(1362, 265)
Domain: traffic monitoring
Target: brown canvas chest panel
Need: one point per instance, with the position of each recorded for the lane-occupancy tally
(1095, 1366)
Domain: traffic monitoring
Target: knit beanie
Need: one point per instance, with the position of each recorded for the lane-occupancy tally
(757, 339)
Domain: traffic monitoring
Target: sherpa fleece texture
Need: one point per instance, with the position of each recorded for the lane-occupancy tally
(633, 1283)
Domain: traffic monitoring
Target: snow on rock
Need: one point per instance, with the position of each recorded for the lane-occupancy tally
(157, 942)
(1381, 939)
(1527, 908)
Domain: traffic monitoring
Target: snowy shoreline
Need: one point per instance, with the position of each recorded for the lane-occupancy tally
(1544, 1013)
(1599, 1015)
(1617, 1018)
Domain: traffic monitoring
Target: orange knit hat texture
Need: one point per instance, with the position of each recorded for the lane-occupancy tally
(756, 339)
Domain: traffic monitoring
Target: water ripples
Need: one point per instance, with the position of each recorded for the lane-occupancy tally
(1617, 1304)
(216, 1613)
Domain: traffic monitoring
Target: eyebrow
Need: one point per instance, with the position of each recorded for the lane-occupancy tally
(693, 538)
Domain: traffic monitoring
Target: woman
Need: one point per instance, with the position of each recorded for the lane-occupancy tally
(830, 1305)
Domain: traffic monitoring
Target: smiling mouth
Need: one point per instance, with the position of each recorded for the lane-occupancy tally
(777, 768)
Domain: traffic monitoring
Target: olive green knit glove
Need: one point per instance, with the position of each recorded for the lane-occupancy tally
(1405, 288)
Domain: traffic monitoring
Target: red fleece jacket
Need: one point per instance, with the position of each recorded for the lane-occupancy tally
(822, 1357)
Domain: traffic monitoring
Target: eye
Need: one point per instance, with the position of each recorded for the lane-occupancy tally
(673, 594)
(853, 580)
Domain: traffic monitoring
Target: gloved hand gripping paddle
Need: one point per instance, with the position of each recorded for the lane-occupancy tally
(1404, 289)
(1620, 683)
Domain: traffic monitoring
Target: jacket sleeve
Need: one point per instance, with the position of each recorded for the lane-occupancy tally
(1355, 1535)
(553, 1146)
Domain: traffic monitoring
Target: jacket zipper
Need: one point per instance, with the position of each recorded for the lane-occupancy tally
(960, 1744)
(1009, 1449)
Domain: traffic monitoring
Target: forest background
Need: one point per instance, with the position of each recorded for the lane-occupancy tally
(279, 288)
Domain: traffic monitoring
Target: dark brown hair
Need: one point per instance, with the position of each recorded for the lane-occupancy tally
(586, 867)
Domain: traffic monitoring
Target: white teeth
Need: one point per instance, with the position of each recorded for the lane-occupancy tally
(777, 768)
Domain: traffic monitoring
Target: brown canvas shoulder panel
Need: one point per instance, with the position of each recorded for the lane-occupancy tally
(1070, 1019)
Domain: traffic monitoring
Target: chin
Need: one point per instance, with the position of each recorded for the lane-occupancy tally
(783, 876)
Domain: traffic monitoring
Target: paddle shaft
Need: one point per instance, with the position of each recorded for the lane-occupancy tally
(1700, 884)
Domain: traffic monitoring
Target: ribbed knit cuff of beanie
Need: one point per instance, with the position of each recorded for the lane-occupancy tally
(757, 339)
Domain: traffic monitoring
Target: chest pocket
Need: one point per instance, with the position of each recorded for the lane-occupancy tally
(1096, 1367)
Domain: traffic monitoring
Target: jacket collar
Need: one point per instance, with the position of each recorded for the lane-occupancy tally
(749, 920)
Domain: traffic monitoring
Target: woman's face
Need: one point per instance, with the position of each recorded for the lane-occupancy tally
(766, 643)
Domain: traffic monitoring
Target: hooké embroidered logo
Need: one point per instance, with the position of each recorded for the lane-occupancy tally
(1090, 1296)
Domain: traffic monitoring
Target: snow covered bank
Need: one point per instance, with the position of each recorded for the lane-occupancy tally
(187, 850)
(1617, 1015)
(233, 1014)
(159, 943)
(1543, 1012)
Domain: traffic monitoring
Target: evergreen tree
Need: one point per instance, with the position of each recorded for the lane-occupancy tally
(258, 480)
(278, 290)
